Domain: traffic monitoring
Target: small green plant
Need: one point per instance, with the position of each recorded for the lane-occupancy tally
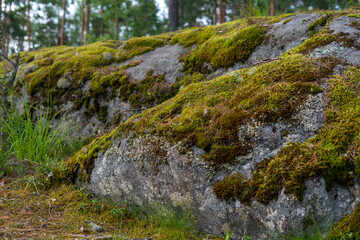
(30, 140)
(229, 234)
(169, 217)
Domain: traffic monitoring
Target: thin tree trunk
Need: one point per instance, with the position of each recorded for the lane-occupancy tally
(272, 9)
(102, 19)
(215, 13)
(222, 14)
(1, 10)
(82, 23)
(7, 40)
(28, 24)
(62, 36)
(21, 39)
(87, 20)
(174, 14)
(117, 20)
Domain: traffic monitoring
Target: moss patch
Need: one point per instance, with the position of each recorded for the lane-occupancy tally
(224, 50)
(333, 153)
(79, 64)
(348, 228)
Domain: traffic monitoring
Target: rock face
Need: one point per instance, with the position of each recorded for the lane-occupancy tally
(252, 127)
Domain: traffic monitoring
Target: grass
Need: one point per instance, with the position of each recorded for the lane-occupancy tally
(32, 144)
(28, 210)
(32, 208)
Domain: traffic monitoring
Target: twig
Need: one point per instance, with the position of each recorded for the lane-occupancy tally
(266, 61)
(50, 208)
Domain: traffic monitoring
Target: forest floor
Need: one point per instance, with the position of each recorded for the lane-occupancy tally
(29, 211)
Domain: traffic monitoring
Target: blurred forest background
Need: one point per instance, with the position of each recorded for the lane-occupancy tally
(32, 24)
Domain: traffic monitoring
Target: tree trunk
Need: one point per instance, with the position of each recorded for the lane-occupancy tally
(1, 10)
(21, 39)
(102, 19)
(117, 20)
(87, 20)
(28, 24)
(222, 14)
(62, 32)
(174, 14)
(7, 40)
(82, 23)
(272, 9)
(215, 13)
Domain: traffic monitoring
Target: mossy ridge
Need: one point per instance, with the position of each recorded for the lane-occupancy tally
(207, 114)
(348, 228)
(81, 63)
(333, 153)
(82, 163)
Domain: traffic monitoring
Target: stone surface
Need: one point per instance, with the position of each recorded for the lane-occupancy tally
(130, 169)
(96, 228)
(164, 60)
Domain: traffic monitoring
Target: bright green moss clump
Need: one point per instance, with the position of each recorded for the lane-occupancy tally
(333, 153)
(224, 50)
(80, 64)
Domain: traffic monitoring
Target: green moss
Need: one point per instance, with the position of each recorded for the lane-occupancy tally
(325, 18)
(82, 63)
(287, 20)
(279, 18)
(224, 50)
(188, 79)
(234, 185)
(208, 114)
(348, 228)
(132, 64)
(333, 153)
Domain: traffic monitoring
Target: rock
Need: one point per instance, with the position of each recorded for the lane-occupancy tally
(164, 60)
(96, 228)
(63, 83)
(108, 56)
(260, 149)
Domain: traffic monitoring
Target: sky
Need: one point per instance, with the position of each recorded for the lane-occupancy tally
(162, 7)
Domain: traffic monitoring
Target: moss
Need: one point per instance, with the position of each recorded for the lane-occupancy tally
(188, 79)
(224, 50)
(355, 24)
(234, 185)
(132, 64)
(208, 113)
(333, 153)
(287, 20)
(199, 35)
(324, 36)
(279, 18)
(322, 21)
(348, 228)
(82, 63)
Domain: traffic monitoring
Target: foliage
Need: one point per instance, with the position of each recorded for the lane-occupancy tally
(32, 145)
(64, 210)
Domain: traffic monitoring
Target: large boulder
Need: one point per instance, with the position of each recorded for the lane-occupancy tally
(252, 125)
